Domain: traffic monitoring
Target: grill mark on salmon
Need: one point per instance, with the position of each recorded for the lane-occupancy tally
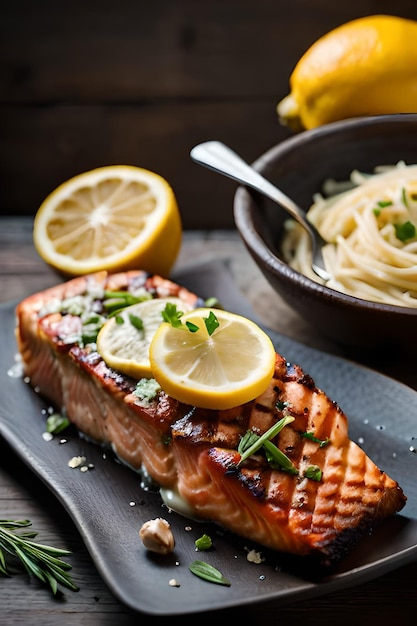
(195, 451)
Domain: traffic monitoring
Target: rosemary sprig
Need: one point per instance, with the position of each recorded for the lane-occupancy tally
(39, 560)
(247, 448)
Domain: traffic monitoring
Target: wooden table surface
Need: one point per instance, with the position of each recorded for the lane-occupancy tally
(389, 598)
(141, 83)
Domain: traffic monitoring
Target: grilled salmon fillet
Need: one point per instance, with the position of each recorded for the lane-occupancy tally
(320, 502)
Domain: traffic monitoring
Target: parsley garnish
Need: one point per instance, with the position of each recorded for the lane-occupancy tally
(211, 323)
(313, 472)
(90, 329)
(203, 543)
(193, 328)
(56, 423)
(280, 405)
(171, 315)
(405, 231)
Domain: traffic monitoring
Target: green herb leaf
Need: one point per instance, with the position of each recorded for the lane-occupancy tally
(56, 423)
(404, 196)
(171, 315)
(384, 203)
(41, 561)
(136, 321)
(193, 328)
(277, 459)
(405, 231)
(211, 323)
(209, 573)
(249, 439)
(115, 301)
(321, 442)
(280, 405)
(203, 543)
(313, 472)
(272, 432)
(212, 303)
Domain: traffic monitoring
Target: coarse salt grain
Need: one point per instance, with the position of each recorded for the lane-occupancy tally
(76, 461)
(254, 557)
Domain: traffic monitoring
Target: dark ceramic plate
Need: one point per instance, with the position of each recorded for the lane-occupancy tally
(108, 504)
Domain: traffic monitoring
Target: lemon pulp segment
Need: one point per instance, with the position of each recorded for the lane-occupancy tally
(113, 218)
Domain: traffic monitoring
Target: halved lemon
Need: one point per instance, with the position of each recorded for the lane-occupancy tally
(112, 218)
(123, 342)
(213, 369)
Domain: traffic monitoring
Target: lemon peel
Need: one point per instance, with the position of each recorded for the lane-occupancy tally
(363, 67)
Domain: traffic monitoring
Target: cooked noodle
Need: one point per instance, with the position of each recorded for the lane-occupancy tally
(372, 234)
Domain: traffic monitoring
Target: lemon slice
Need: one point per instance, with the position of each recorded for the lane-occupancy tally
(123, 342)
(232, 365)
(113, 218)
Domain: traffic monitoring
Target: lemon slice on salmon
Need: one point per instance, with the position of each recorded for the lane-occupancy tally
(123, 342)
(112, 218)
(212, 359)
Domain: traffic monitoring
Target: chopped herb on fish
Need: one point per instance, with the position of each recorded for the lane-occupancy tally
(115, 301)
(321, 442)
(252, 443)
(313, 472)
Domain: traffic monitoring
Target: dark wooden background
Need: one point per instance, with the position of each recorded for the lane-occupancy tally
(86, 83)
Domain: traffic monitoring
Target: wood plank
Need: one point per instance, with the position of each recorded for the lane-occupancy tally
(130, 51)
(40, 147)
(141, 83)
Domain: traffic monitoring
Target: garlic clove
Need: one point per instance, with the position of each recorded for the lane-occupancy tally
(157, 536)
